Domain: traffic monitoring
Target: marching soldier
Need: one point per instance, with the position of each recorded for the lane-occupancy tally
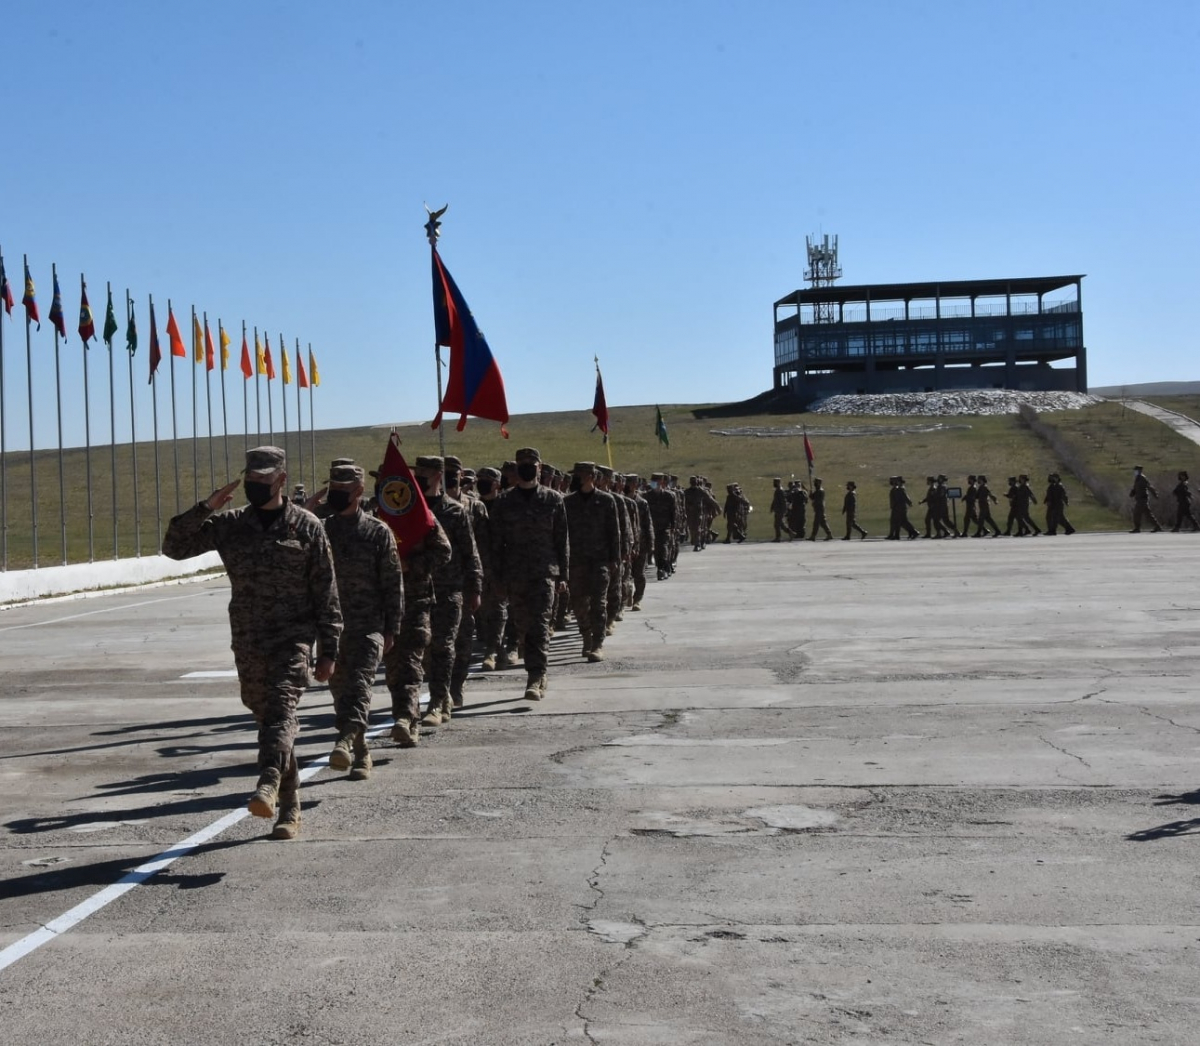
(985, 499)
(797, 510)
(645, 528)
(1183, 504)
(663, 514)
(817, 500)
(530, 552)
(371, 591)
(850, 511)
(594, 530)
(1056, 501)
(283, 593)
(1141, 493)
(779, 509)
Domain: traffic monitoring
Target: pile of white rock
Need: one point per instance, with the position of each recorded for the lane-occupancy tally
(942, 404)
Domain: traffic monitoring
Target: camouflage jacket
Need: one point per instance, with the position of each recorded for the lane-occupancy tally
(462, 572)
(593, 527)
(282, 580)
(421, 563)
(529, 534)
(662, 510)
(645, 525)
(369, 581)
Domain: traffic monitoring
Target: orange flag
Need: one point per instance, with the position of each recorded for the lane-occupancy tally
(177, 346)
(247, 366)
(210, 353)
(301, 376)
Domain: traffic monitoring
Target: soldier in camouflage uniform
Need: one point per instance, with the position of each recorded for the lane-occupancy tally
(371, 591)
(464, 643)
(457, 583)
(594, 530)
(493, 611)
(531, 556)
(404, 662)
(613, 614)
(1141, 492)
(283, 594)
(645, 528)
(663, 516)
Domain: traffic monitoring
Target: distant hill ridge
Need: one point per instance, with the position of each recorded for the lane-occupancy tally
(1152, 388)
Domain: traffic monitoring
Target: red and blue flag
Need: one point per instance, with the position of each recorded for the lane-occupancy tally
(475, 386)
(6, 294)
(57, 320)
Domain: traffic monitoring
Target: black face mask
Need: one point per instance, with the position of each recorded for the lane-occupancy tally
(338, 500)
(258, 494)
(451, 479)
(423, 483)
(526, 470)
(485, 486)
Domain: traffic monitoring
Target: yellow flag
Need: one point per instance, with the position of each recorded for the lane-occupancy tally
(197, 340)
(314, 375)
(287, 370)
(224, 347)
(260, 361)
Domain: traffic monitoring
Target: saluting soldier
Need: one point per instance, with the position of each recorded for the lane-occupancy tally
(371, 590)
(1141, 492)
(282, 594)
(531, 554)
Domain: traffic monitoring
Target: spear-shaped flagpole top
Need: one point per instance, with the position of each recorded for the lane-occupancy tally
(433, 227)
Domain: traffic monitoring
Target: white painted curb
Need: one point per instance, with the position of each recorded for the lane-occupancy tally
(20, 585)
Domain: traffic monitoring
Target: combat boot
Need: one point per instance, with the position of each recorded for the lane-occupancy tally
(489, 661)
(535, 688)
(288, 824)
(511, 659)
(406, 732)
(340, 758)
(262, 802)
(636, 606)
(588, 643)
(595, 654)
(432, 716)
(446, 708)
(360, 769)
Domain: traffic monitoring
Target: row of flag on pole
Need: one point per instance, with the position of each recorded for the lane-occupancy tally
(205, 349)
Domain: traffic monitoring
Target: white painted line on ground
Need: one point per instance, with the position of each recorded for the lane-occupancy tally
(104, 610)
(72, 918)
(217, 673)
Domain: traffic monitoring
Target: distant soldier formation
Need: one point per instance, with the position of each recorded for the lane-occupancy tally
(321, 591)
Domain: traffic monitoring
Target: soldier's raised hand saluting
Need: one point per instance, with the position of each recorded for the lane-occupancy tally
(218, 499)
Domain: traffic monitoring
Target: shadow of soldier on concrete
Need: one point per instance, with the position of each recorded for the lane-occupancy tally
(1171, 829)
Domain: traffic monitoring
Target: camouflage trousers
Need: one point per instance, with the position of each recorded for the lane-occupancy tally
(464, 644)
(589, 599)
(403, 664)
(272, 682)
(638, 570)
(696, 529)
(1141, 513)
(491, 618)
(613, 602)
(530, 604)
(352, 679)
(444, 619)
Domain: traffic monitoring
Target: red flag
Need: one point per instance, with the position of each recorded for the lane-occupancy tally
(808, 453)
(29, 300)
(474, 385)
(87, 325)
(600, 406)
(57, 320)
(177, 346)
(247, 366)
(301, 376)
(6, 294)
(155, 348)
(402, 506)
(267, 358)
(210, 352)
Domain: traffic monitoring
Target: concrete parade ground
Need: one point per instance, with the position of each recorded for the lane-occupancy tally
(935, 792)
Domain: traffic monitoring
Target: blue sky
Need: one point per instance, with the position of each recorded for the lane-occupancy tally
(628, 180)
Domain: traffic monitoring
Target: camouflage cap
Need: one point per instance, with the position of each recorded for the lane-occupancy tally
(584, 466)
(340, 461)
(508, 466)
(604, 470)
(528, 454)
(487, 472)
(265, 459)
(632, 477)
(431, 462)
(298, 488)
(452, 462)
(468, 473)
(345, 474)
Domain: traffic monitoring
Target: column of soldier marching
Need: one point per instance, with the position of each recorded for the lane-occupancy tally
(322, 591)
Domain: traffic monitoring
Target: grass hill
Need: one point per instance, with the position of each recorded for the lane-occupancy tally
(1102, 441)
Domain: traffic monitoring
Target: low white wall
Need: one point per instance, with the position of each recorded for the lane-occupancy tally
(19, 585)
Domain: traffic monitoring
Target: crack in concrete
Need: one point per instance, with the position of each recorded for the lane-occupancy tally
(593, 879)
(661, 634)
(1059, 748)
(1166, 719)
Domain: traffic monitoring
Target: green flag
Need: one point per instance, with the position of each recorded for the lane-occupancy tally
(660, 428)
(110, 322)
(131, 333)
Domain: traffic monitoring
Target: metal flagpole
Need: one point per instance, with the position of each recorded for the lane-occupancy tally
(312, 430)
(87, 437)
(195, 440)
(62, 474)
(212, 461)
(3, 449)
(157, 469)
(224, 408)
(257, 397)
(270, 409)
(433, 229)
(112, 425)
(32, 468)
(283, 390)
(300, 415)
(137, 506)
(246, 399)
(174, 434)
